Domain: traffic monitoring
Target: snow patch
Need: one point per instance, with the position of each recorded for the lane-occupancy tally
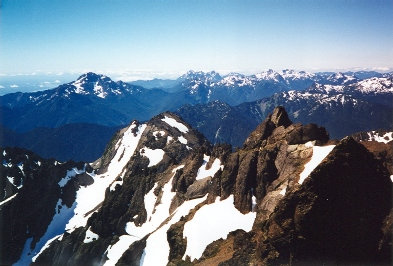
(79, 87)
(318, 154)
(70, 174)
(90, 236)
(5, 164)
(20, 166)
(253, 202)
(115, 251)
(157, 133)
(99, 91)
(375, 136)
(154, 156)
(12, 181)
(155, 214)
(203, 172)
(182, 140)
(173, 123)
(212, 222)
(283, 191)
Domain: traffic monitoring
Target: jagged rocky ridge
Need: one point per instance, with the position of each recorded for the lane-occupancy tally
(30, 197)
(164, 195)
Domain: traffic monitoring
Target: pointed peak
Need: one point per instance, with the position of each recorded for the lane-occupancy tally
(92, 77)
(280, 117)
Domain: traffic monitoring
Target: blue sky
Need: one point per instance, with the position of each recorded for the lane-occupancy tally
(173, 36)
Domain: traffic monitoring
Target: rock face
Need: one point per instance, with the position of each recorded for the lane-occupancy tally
(324, 221)
(164, 195)
(29, 197)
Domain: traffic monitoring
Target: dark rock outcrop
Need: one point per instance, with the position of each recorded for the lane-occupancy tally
(335, 217)
(36, 193)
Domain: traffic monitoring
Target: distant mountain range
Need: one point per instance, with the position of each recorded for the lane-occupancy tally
(342, 109)
(92, 98)
(212, 103)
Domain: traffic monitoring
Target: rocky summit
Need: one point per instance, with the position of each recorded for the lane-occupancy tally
(161, 194)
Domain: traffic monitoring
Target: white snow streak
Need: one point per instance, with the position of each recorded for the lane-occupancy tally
(6, 200)
(173, 123)
(182, 140)
(318, 154)
(47, 244)
(54, 230)
(90, 197)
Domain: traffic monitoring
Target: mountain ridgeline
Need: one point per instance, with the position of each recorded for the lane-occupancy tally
(342, 110)
(75, 120)
(163, 195)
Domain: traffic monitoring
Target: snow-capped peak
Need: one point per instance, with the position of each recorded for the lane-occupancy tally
(270, 75)
(211, 76)
(292, 74)
(237, 79)
(96, 84)
(341, 79)
(375, 85)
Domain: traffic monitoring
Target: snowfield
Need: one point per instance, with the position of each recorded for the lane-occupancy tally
(212, 222)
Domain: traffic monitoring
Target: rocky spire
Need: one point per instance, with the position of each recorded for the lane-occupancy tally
(278, 118)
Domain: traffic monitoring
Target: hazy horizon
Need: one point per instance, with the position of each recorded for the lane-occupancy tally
(167, 38)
